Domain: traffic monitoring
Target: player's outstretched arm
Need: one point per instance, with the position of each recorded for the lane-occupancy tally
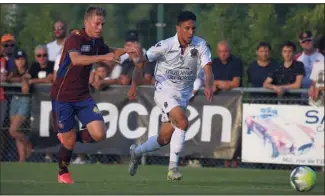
(78, 59)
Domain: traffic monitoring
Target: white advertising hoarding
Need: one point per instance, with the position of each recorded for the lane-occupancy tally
(283, 134)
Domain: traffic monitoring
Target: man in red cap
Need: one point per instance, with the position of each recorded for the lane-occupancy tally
(8, 44)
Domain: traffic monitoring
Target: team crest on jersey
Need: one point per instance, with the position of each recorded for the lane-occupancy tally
(194, 52)
(165, 104)
(96, 110)
(60, 125)
(85, 48)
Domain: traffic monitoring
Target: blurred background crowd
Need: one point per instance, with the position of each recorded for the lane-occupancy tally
(263, 46)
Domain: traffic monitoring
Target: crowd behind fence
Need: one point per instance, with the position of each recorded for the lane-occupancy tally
(250, 95)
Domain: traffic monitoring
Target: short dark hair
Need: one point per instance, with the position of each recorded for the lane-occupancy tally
(185, 16)
(264, 44)
(95, 10)
(289, 44)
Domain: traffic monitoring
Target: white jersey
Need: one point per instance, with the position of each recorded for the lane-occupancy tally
(318, 76)
(309, 61)
(175, 70)
(54, 49)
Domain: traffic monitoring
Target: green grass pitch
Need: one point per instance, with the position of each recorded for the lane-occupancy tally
(92, 179)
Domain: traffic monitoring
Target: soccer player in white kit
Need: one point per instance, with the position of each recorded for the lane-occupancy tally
(179, 59)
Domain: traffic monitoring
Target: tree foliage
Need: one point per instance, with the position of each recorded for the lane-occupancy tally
(243, 25)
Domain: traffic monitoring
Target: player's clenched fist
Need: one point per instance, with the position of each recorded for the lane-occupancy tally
(135, 51)
(132, 93)
(208, 93)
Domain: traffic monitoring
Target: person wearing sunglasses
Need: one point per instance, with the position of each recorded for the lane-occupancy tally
(8, 44)
(309, 56)
(55, 47)
(41, 71)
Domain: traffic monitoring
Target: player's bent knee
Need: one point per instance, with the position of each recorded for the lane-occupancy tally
(182, 124)
(97, 130)
(69, 144)
(69, 139)
(99, 136)
(163, 141)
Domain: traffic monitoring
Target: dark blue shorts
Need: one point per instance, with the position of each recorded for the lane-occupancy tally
(63, 114)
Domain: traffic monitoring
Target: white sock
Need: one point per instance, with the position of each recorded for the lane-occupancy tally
(150, 145)
(176, 146)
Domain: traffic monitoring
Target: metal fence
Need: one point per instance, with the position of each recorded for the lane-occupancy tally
(8, 151)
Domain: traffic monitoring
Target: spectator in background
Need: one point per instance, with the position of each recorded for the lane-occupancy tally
(127, 72)
(290, 73)
(317, 76)
(55, 47)
(58, 58)
(115, 76)
(8, 45)
(130, 36)
(20, 105)
(309, 56)
(99, 74)
(227, 69)
(126, 68)
(260, 69)
(41, 71)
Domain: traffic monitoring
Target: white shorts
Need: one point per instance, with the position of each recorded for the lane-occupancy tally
(166, 103)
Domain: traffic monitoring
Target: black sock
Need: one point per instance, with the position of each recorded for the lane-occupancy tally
(84, 136)
(64, 159)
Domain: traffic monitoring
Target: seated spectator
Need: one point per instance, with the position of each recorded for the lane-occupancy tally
(309, 56)
(226, 68)
(8, 45)
(20, 105)
(317, 76)
(290, 73)
(259, 69)
(55, 47)
(41, 71)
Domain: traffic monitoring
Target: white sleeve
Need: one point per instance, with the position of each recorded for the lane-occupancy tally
(123, 58)
(197, 84)
(314, 72)
(57, 62)
(205, 56)
(160, 49)
(116, 72)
